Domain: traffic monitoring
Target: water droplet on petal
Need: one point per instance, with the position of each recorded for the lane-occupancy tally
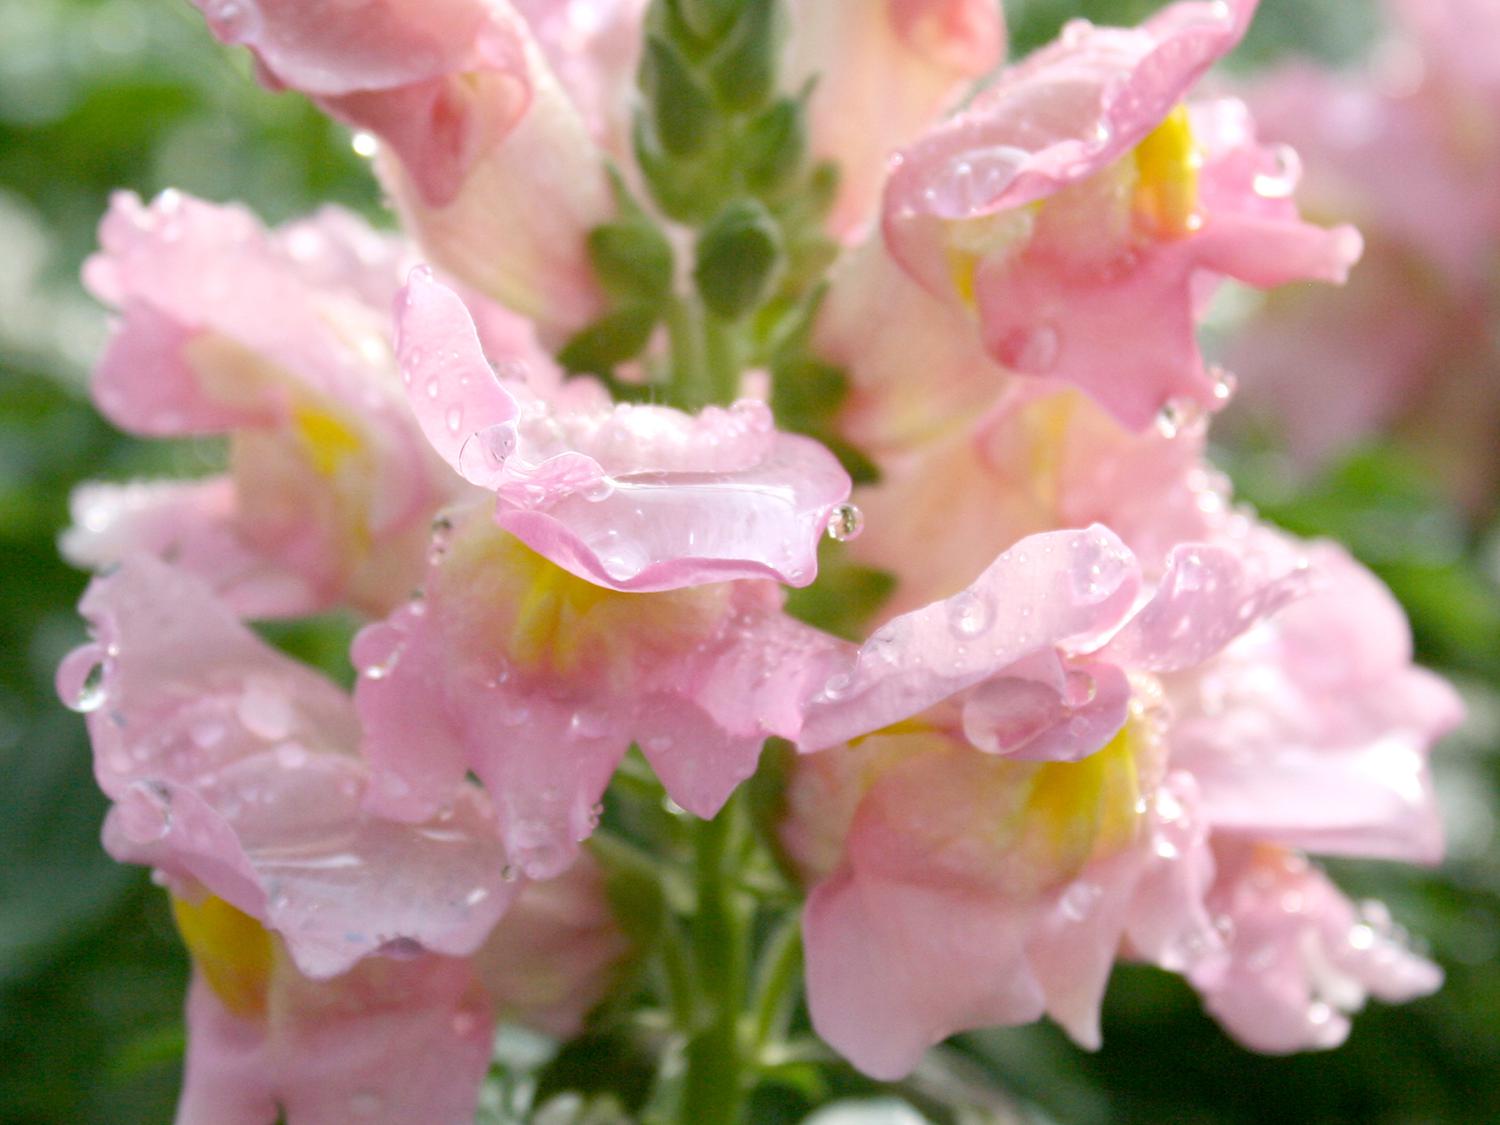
(377, 650)
(969, 615)
(145, 811)
(365, 145)
(1079, 689)
(264, 710)
(1031, 350)
(1225, 384)
(588, 722)
(454, 418)
(1078, 901)
(80, 679)
(845, 523)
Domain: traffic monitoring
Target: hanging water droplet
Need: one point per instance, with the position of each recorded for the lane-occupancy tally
(969, 615)
(482, 457)
(845, 523)
(1280, 180)
(80, 679)
(1169, 420)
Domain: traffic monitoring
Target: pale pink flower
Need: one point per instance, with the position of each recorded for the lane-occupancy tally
(280, 340)
(489, 161)
(1083, 211)
(885, 70)
(537, 681)
(1014, 825)
(627, 496)
(235, 767)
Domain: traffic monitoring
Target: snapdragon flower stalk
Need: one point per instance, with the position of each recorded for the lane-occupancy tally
(610, 402)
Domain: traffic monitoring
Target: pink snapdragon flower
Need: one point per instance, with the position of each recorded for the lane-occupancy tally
(1083, 210)
(322, 937)
(487, 157)
(281, 341)
(537, 681)
(1013, 824)
(613, 591)
(885, 71)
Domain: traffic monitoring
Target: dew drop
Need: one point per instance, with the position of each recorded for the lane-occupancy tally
(454, 418)
(969, 615)
(1079, 689)
(365, 145)
(588, 722)
(1078, 901)
(484, 453)
(845, 522)
(1225, 384)
(265, 711)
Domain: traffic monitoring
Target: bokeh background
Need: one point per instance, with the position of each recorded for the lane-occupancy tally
(97, 95)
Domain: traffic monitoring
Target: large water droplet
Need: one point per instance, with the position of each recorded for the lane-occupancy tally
(482, 457)
(145, 811)
(972, 182)
(264, 710)
(845, 522)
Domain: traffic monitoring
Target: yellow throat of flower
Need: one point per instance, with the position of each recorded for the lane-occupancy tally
(1167, 163)
(232, 950)
(546, 619)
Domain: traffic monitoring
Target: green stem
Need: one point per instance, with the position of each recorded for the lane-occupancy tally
(781, 969)
(714, 1087)
(721, 350)
(689, 387)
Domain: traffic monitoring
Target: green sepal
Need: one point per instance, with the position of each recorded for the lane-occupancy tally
(709, 19)
(681, 108)
(738, 259)
(774, 146)
(632, 259)
(611, 340)
(743, 71)
(688, 191)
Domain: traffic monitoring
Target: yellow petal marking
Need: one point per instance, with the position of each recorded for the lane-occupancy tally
(231, 949)
(1167, 163)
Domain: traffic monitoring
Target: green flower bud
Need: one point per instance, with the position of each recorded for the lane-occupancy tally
(774, 146)
(739, 257)
(632, 259)
(743, 71)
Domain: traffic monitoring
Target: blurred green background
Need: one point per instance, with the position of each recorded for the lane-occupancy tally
(103, 94)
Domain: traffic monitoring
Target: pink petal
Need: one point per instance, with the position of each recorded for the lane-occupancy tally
(233, 765)
(641, 498)
(1069, 588)
(1313, 730)
(885, 70)
(1300, 957)
(405, 1042)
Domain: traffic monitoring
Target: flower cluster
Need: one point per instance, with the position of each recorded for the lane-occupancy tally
(561, 452)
